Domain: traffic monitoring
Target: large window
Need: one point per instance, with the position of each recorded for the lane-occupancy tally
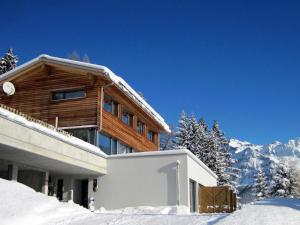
(112, 146)
(68, 94)
(110, 105)
(140, 127)
(127, 118)
(107, 144)
(85, 134)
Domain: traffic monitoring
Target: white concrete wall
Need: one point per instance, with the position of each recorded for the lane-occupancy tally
(31, 147)
(148, 179)
(142, 180)
(200, 173)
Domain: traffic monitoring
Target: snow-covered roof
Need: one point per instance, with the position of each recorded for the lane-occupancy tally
(118, 81)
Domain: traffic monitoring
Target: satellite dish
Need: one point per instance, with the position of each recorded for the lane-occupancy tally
(8, 88)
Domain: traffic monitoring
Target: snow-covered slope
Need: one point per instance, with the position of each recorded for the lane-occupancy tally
(20, 204)
(249, 157)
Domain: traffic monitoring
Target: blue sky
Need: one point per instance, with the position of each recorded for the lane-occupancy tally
(234, 61)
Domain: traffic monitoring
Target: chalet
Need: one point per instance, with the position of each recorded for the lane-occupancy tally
(112, 155)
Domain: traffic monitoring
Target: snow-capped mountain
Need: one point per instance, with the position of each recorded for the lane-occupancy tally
(249, 157)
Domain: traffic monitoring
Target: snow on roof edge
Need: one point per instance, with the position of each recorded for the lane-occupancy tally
(120, 82)
(47, 131)
(165, 152)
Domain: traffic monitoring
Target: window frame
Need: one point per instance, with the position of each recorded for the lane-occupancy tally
(142, 132)
(114, 105)
(129, 117)
(64, 91)
(152, 139)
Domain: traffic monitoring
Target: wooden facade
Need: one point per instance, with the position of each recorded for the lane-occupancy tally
(33, 96)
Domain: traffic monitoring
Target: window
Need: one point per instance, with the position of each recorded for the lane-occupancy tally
(193, 198)
(127, 118)
(112, 146)
(151, 136)
(140, 127)
(68, 94)
(85, 134)
(110, 105)
(107, 144)
(123, 149)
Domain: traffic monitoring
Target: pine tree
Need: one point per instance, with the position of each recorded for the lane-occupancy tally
(74, 56)
(280, 185)
(295, 181)
(192, 134)
(8, 62)
(182, 137)
(167, 140)
(201, 141)
(227, 173)
(86, 58)
(260, 184)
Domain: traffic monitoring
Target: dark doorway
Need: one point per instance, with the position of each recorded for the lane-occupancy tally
(60, 189)
(81, 192)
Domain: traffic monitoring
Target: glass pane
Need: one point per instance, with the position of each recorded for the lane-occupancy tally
(105, 144)
(114, 146)
(85, 134)
(122, 148)
(115, 108)
(129, 150)
(125, 118)
(59, 95)
(74, 94)
(140, 127)
(107, 104)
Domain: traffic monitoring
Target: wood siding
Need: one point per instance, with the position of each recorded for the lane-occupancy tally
(34, 97)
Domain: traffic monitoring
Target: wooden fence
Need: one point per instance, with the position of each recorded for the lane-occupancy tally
(217, 200)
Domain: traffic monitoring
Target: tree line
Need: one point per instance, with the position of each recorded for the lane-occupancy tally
(209, 144)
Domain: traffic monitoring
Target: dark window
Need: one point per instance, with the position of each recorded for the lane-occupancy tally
(140, 127)
(85, 134)
(68, 94)
(192, 196)
(110, 105)
(151, 135)
(127, 118)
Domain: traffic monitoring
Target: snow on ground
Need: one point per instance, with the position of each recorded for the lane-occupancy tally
(20, 204)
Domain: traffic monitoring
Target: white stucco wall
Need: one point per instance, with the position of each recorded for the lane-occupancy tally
(147, 179)
(198, 172)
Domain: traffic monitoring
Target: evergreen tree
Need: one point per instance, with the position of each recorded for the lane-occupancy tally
(227, 173)
(86, 58)
(8, 62)
(295, 181)
(182, 137)
(201, 141)
(192, 134)
(167, 140)
(280, 185)
(260, 184)
(74, 56)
